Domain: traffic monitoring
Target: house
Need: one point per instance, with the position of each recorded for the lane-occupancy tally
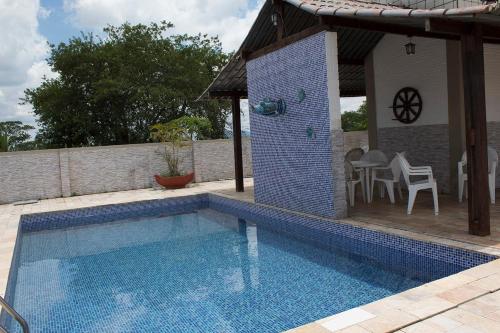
(430, 71)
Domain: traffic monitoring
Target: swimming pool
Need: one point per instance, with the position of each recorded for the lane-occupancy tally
(186, 265)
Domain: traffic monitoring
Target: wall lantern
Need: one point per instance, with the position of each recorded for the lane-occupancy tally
(410, 47)
(274, 19)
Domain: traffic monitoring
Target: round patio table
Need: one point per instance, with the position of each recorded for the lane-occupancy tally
(366, 166)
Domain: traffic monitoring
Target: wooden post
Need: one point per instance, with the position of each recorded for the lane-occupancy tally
(238, 157)
(370, 101)
(456, 114)
(475, 128)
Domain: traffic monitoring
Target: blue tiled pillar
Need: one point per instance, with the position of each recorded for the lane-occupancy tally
(298, 157)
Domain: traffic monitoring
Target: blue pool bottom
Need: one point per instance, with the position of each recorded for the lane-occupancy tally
(205, 271)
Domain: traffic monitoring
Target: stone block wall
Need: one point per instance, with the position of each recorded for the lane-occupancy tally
(29, 175)
(429, 145)
(494, 141)
(295, 155)
(356, 139)
(77, 171)
(215, 159)
(116, 168)
(424, 145)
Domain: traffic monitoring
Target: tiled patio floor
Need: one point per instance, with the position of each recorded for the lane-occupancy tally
(451, 223)
(465, 302)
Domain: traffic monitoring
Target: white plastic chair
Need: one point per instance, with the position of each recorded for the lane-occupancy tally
(492, 170)
(354, 154)
(351, 182)
(415, 186)
(375, 156)
(395, 168)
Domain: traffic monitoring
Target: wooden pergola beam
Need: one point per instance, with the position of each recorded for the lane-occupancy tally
(450, 27)
(363, 24)
(476, 131)
(228, 93)
(283, 42)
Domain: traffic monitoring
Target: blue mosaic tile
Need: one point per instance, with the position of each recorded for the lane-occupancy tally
(422, 261)
(5, 319)
(200, 272)
(291, 170)
(355, 239)
(107, 213)
(392, 250)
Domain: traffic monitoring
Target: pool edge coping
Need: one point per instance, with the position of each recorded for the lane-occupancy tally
(396, 312)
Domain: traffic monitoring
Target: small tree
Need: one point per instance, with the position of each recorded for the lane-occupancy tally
(4, 143)
(174, 134)
(17, 135)
(356, 120)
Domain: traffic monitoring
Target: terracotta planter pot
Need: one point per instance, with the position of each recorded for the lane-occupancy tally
(175, 182)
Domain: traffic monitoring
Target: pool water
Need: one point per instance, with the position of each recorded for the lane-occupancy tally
(199, 272)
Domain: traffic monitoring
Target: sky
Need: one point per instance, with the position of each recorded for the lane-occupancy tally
(28, 26)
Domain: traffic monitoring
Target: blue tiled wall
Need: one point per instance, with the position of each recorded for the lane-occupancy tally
(291, 170)
(107, 213)
(383, 247)
(417, 258)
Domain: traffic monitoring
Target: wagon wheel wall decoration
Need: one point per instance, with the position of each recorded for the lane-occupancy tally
(407, 105)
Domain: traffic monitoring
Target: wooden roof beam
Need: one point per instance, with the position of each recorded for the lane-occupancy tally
(228, 93)
(364, 24)
(451, 27)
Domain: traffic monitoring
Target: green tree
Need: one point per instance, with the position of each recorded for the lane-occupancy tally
(111, 90)
(356, 120)
(16, 135)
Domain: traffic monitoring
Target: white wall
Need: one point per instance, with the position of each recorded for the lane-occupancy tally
(426, 140)
(424, 71)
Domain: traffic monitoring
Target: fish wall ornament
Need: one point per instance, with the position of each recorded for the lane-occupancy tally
(269, 107)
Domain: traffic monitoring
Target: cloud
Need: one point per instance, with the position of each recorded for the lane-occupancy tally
(43, 12)
(351, 103)
(23, 49)
(230, 20)
(22, 54)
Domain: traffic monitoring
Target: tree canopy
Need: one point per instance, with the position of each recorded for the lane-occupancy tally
(356, 120)
(111, 90)
(14, 135)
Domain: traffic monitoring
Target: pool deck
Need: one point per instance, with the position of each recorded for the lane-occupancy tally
(465, 302)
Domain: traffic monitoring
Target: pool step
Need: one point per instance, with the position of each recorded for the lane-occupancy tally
(13, 313)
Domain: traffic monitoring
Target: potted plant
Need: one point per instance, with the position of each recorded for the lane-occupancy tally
(174, 135)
